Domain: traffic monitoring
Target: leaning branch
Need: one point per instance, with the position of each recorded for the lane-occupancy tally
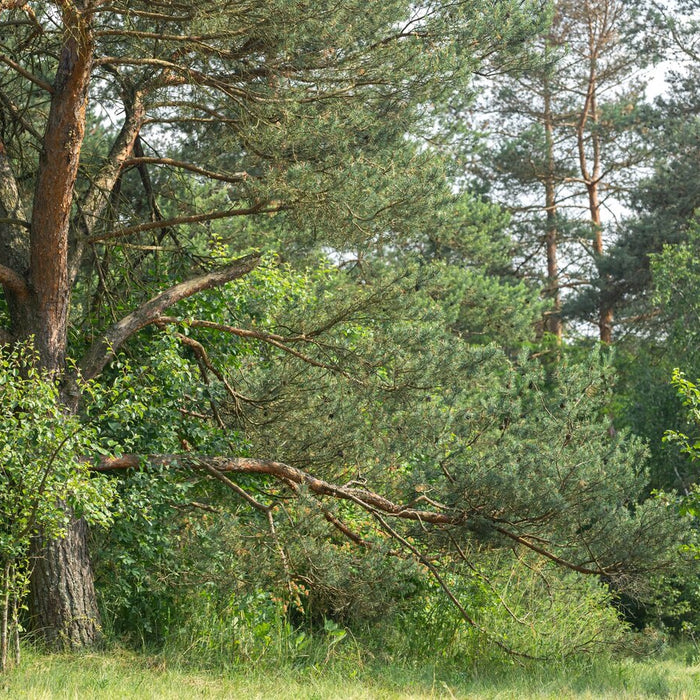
(372, 503)
(369, 501)
(286, 473)
(102, 351)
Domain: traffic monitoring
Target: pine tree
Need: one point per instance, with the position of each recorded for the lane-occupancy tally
(113, 115)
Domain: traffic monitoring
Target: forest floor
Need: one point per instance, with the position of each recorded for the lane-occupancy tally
(119, 674)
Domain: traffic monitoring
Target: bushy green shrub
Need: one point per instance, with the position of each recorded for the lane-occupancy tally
(44, 473)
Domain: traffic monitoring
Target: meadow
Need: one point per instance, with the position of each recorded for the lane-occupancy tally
(119, 674)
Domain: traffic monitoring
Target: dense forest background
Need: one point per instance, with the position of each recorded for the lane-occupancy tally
(324, 319)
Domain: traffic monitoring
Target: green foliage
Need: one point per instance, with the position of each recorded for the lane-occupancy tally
(44, 467)
(690, 393)
(648, 403)
(525, 605)
(381, 341)
(122, 674)
(689, 444)
(43, 457)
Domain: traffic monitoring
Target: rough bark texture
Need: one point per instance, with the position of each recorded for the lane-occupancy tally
(64, 606)
(63, 601)
(58, 169)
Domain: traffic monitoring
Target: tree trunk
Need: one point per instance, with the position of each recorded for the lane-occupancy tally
(5, 616)
(553, 322)
(63, 602)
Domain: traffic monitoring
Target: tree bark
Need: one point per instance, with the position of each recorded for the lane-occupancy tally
(553, 323)
(63, 602)
(597, 37)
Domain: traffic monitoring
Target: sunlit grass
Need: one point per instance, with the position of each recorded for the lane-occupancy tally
(119, 674)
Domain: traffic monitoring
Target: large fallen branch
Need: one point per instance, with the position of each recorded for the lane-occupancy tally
(373, 503)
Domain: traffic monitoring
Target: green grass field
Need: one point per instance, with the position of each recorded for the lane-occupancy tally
(120, 674)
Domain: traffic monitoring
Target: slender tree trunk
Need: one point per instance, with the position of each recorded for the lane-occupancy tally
(15, 628)
(605, 311)
(553, 323)
(592, 176)
(5, 615)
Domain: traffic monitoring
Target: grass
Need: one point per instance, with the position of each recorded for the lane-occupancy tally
(118, 675)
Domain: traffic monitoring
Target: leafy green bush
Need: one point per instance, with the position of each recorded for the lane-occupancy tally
(44, 473)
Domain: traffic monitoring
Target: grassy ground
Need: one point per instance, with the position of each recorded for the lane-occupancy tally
(119, 675)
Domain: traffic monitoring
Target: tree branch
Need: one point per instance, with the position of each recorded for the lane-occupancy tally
(26, 74)
(212, 175)
(373, 503)
(160, 16)
(287, 473)
(104, 349)
(13, 282)
(205, 364)
(273, 339)
(15, 222)
(98, 195)
(259, 208)
(14, 248)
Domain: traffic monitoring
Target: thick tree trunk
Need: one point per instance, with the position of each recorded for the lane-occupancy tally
(64, 606)
(63, 602)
